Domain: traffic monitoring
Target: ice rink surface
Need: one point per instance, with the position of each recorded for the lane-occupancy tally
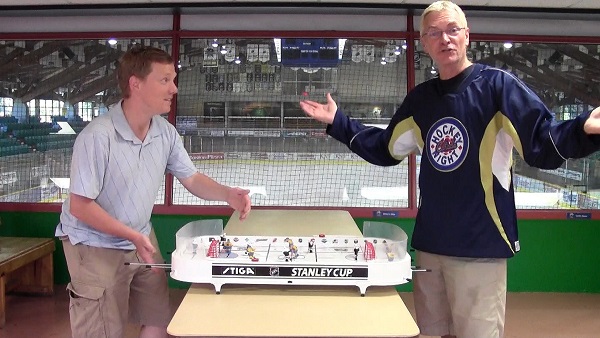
(309, 184)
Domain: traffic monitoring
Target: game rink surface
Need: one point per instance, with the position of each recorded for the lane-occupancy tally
(321, 254)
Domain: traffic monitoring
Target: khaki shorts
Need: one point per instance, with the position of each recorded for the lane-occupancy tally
(465, 297)
(105, 292)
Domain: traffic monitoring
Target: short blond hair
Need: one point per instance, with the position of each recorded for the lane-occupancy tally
(440, 6)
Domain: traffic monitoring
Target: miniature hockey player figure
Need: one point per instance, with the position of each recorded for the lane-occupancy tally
(390, 256)
(311, 244)
(293, 251)
(227, 247)
(250, 251)
(356, 250)
(194, 246)
(389, 251)
(286, 254)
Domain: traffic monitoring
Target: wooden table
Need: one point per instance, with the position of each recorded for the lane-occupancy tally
(25, 266)
(292, 311)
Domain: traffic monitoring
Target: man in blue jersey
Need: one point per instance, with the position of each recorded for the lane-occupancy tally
(465, 125)
(118, 165)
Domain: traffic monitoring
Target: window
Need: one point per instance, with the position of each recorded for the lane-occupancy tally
(6, 106)
(51, 108)
(85, 110)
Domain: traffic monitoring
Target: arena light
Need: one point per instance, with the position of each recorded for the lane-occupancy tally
(277, 43)
(310, 70)
(341, 44)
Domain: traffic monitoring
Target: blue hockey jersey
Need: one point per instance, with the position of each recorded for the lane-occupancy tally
(466, 137)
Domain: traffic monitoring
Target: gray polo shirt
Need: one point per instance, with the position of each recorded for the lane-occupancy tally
(122, 174)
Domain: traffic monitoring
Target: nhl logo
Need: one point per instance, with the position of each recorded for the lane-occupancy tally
(447, 144)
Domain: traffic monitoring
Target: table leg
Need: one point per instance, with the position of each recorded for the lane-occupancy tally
(45, 268)
(2, 300)
(35, 278)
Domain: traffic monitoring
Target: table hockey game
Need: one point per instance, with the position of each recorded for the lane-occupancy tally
(206, 254)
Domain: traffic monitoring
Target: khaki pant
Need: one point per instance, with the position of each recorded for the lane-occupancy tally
(465, 297)
(105, 293)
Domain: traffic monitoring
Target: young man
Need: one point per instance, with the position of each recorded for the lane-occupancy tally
(117, 168)
(465, 124)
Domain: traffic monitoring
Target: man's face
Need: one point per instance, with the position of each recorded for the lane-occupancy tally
(158, 88)
(445, 39)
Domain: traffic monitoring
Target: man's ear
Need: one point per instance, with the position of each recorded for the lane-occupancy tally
(134, 82)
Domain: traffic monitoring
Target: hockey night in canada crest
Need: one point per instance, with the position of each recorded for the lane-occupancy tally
(447, 144)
